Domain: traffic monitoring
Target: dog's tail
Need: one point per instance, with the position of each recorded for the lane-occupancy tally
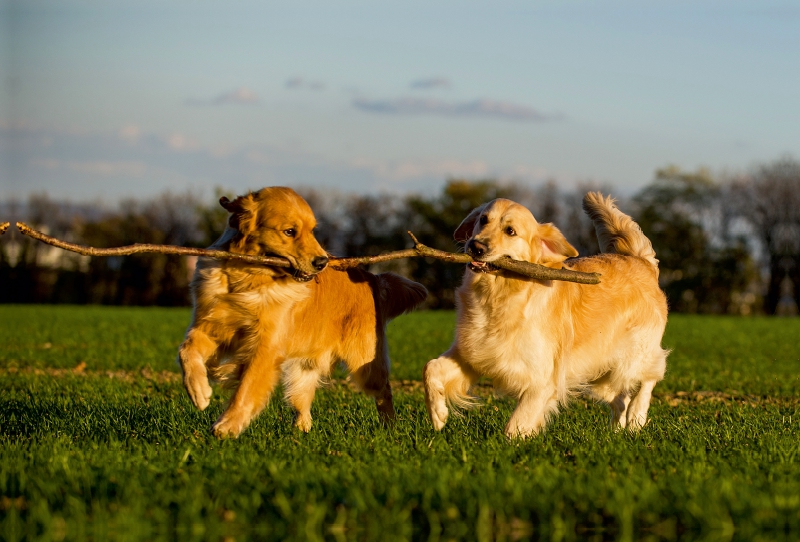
(617, 233)
(399, 295)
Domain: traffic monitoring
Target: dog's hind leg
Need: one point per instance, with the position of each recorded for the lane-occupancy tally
(619, 408)
(604, 389)
(373, 379)
(637, 411)
(654, 372)
(192, 357)
(446, 380)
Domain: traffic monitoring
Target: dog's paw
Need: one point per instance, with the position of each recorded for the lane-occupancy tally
(522, 429)
(228, 427)
(636, 423)
(386, 412)
(513, 433)
(439, 414)
(199, 390)
(303, 423)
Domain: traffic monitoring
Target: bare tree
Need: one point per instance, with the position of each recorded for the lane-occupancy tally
(769, 200)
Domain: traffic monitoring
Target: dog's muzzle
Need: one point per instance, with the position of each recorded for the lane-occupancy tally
(319, 263)
(477, 249)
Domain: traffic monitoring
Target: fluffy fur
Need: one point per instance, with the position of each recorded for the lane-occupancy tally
(253, 324)
(542, 341)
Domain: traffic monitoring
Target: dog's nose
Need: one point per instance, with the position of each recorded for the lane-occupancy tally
(476, 248)
(319, 262)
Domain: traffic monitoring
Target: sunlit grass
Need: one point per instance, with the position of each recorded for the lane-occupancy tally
(89, 455)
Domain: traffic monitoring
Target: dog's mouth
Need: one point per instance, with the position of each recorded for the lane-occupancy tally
(294, 272)
(300, 276)
(482, 267)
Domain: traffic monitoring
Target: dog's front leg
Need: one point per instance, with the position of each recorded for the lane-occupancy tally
(446, 379)
(259, 379)
(530, 416)
(192, 357)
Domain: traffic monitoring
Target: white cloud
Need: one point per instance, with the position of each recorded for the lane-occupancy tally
(431, 83)
(476, 108)
(240, 96)
(130, 133)
(177, 142)
(96, 165)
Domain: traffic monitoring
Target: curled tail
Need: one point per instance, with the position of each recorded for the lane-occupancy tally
(617, 233)
(398, 295)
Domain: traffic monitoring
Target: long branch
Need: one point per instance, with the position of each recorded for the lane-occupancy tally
(140, 248)
(526, 269)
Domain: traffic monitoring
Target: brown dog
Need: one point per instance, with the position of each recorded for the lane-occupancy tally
(541, 341)
(252, 323)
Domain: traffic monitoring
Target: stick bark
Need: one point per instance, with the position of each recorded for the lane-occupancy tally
(525, 269)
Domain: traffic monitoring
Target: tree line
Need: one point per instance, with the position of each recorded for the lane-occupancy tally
(727, 245)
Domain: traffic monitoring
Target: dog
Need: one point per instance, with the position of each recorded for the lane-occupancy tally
(253, 324)
(543, 341)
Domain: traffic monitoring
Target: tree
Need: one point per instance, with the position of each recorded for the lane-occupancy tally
(147, 279)
(211, 218)
(769, 200)
(31, 272)
(702, 267)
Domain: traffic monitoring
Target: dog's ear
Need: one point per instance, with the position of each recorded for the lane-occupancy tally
(228, 205)
(242, 211)
(554, 246)
(464, 230)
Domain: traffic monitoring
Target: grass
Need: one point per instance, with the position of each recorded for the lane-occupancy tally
(101, 453)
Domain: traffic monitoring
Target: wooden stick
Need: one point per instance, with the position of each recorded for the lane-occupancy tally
(140, 248)
(3, 227)
(526, 269)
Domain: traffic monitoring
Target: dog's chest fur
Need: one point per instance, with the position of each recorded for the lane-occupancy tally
(248, 296)
(497, 328)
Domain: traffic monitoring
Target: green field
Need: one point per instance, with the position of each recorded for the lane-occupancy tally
(98, 440)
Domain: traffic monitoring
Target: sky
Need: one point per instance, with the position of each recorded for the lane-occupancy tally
(103, 100)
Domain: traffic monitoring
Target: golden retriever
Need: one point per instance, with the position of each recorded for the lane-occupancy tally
(542, 341)
(253, 324)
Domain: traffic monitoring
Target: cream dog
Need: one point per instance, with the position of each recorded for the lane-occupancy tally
(543, 341)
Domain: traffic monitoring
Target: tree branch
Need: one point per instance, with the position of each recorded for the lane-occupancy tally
(140, 248)
(526, 269)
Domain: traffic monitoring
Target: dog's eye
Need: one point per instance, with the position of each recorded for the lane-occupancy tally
(484, 220)
(510, 231)
(291, 232)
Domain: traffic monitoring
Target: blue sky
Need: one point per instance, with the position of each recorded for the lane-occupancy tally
(102, 100)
